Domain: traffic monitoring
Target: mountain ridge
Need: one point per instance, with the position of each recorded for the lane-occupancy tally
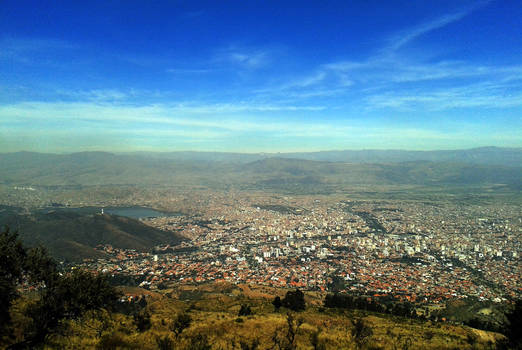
(72, 236)
(102, 168)
(479, 155)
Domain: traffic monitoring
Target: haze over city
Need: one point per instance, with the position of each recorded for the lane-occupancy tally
(259, 76)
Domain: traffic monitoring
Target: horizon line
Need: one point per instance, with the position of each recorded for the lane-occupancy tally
(269, 153)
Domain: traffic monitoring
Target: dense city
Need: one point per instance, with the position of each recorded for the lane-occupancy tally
(413, 251)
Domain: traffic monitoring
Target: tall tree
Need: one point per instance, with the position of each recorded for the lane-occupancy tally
(61, 296)
(12, 257)
(294, 300)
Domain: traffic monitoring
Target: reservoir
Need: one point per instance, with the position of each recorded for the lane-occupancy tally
(134, 212)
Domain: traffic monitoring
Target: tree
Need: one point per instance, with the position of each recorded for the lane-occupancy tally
(285, 340)
(12, 256)
(245, 310)
(337, 284)
(61, 296)
(294, 300)
(515, 325)
(67, 297)
(292, 331)
(277, 302)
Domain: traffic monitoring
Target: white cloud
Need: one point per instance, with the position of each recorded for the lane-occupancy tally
(23, 49)
(483, 95)
(390, 72)
(99, 95)
(411, 34)
(104, 126)
(251, 58)
(188, 71)
(220, 117)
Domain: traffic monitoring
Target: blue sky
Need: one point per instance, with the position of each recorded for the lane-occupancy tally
(259, 76)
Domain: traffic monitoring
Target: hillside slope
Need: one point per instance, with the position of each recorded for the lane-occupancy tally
(215, 324)
(73, 236)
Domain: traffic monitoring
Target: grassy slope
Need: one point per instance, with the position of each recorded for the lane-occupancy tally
(214, 311)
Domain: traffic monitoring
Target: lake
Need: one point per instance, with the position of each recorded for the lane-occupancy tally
(134, 212)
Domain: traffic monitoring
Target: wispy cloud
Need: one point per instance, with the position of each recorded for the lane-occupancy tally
(403, 70)
(314, 79)
(396, 80)
(398, 83)
(251, 58)
(91, 126)
(483, 95)
(99, 95)
(24, 49)
(406, 37)
(188, 70)
(222, 117)
(411, 34)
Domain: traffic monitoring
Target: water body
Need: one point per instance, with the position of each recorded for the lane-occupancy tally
(134, 212)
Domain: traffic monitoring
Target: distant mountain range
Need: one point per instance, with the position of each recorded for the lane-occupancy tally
(475, 166)
(482, 155)
(73, 236)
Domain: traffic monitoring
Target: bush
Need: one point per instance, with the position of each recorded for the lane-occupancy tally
(294, 300)
(277, 302)
(515, 325)
(199, 342)
(245, 310)
(61, 296)
(12, 256)
(113, 341)
(249, 346)
(164, 343)
(142, 321)
(181, 322)
(361, 331)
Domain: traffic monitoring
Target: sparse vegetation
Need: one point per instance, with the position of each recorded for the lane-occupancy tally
(181, 322)
(211, 325)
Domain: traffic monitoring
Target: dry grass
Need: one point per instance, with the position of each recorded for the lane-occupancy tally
(214, 318)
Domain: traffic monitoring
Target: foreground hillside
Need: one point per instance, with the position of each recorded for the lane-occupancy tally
(212, 321)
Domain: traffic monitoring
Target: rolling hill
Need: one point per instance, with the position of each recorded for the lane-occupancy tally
(101, 168)
(481, 155)
(73, 236)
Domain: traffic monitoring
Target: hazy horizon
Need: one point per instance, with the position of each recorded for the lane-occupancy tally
(270, 153)
(259, 76)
